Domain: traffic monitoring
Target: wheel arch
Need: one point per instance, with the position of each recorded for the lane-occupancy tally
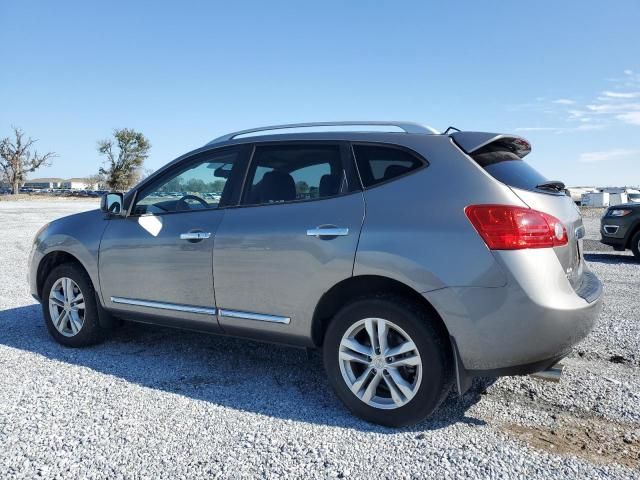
(60, 257)
(635, 228)
(343, 292)
(50, 261)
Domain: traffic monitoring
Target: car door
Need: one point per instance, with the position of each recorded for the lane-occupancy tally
(293, 236)
(156, 262)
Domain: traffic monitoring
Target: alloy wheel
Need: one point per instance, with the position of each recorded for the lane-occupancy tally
(66, 307)
(380, 363)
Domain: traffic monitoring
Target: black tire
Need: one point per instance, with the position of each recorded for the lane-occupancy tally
(635, 245)
(432, 345)
(90, 333)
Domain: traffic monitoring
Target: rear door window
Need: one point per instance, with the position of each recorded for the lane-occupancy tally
(288, 173)
(378, 164)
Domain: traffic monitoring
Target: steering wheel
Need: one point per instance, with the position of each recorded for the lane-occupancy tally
(183, 205)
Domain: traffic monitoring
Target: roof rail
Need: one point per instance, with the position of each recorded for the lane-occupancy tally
(408, 127)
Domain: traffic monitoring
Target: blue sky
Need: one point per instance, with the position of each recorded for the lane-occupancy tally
(565, 75)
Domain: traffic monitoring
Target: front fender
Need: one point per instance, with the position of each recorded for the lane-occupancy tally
(76, 235)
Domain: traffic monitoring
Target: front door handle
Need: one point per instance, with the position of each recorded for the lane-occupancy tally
(194, 236)
(327, 231)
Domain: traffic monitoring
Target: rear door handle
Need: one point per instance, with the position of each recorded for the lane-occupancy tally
(328, 231)
(194, 236)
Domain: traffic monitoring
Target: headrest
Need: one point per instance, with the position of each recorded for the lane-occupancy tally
(329, 185)
(277, 186)
(394, 171)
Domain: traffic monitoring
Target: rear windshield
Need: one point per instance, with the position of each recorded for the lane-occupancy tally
(506, 167)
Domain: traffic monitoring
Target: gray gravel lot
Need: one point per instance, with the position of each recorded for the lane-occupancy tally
(161, 403)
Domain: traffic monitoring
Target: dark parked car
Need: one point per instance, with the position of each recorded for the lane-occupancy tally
(620, 227)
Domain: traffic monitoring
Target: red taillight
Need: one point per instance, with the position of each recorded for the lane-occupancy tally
(503, 227)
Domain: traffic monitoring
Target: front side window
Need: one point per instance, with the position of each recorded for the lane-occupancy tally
(286, 173)
(378, 164)
(200, 185)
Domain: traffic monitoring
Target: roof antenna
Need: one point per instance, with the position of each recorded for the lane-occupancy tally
(451, 128)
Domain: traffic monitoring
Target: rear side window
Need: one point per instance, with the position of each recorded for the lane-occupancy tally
(506, 167)
(378, 164)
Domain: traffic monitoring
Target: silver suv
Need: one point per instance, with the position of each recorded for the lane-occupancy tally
(415, 260)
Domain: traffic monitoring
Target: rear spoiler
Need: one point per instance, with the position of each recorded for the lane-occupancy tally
(471, 142)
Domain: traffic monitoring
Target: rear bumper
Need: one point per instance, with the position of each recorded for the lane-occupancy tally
(524, 369)
(465, 377)
(523, 327)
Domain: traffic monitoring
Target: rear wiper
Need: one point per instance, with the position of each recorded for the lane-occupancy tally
(554, 185)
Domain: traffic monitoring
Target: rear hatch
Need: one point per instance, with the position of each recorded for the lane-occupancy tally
(501, 156)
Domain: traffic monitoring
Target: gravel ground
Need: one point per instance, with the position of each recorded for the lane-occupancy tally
(160, 403)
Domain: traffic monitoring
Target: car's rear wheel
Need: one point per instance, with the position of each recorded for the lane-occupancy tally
(387, 360)
(635, 245)
(69, 307)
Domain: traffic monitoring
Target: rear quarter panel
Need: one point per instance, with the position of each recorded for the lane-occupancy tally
(415, 228)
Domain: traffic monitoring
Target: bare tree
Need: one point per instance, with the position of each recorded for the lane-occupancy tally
(17, 158)
(147, 172)
(98, 181)
(124, 166)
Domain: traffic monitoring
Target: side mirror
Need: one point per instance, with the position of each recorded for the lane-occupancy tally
(112, 203)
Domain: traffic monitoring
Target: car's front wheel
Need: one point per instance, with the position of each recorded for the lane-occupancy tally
(387, 360)
(69, 307)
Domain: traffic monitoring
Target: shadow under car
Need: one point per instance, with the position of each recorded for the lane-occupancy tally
(268, 379)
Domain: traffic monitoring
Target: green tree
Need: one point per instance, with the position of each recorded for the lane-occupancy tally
(196, 185)
(302, 187)
(173, 185)
(126, 154)
(97, 181)
(17, 159)
(217, 186)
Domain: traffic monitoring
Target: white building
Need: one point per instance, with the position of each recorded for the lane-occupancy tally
(69, 184)
(77, 184)
(577, 192)
(42, 183)
(595, 199)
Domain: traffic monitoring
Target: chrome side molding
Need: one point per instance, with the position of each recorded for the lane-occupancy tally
(261, 317)
(164, 306)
